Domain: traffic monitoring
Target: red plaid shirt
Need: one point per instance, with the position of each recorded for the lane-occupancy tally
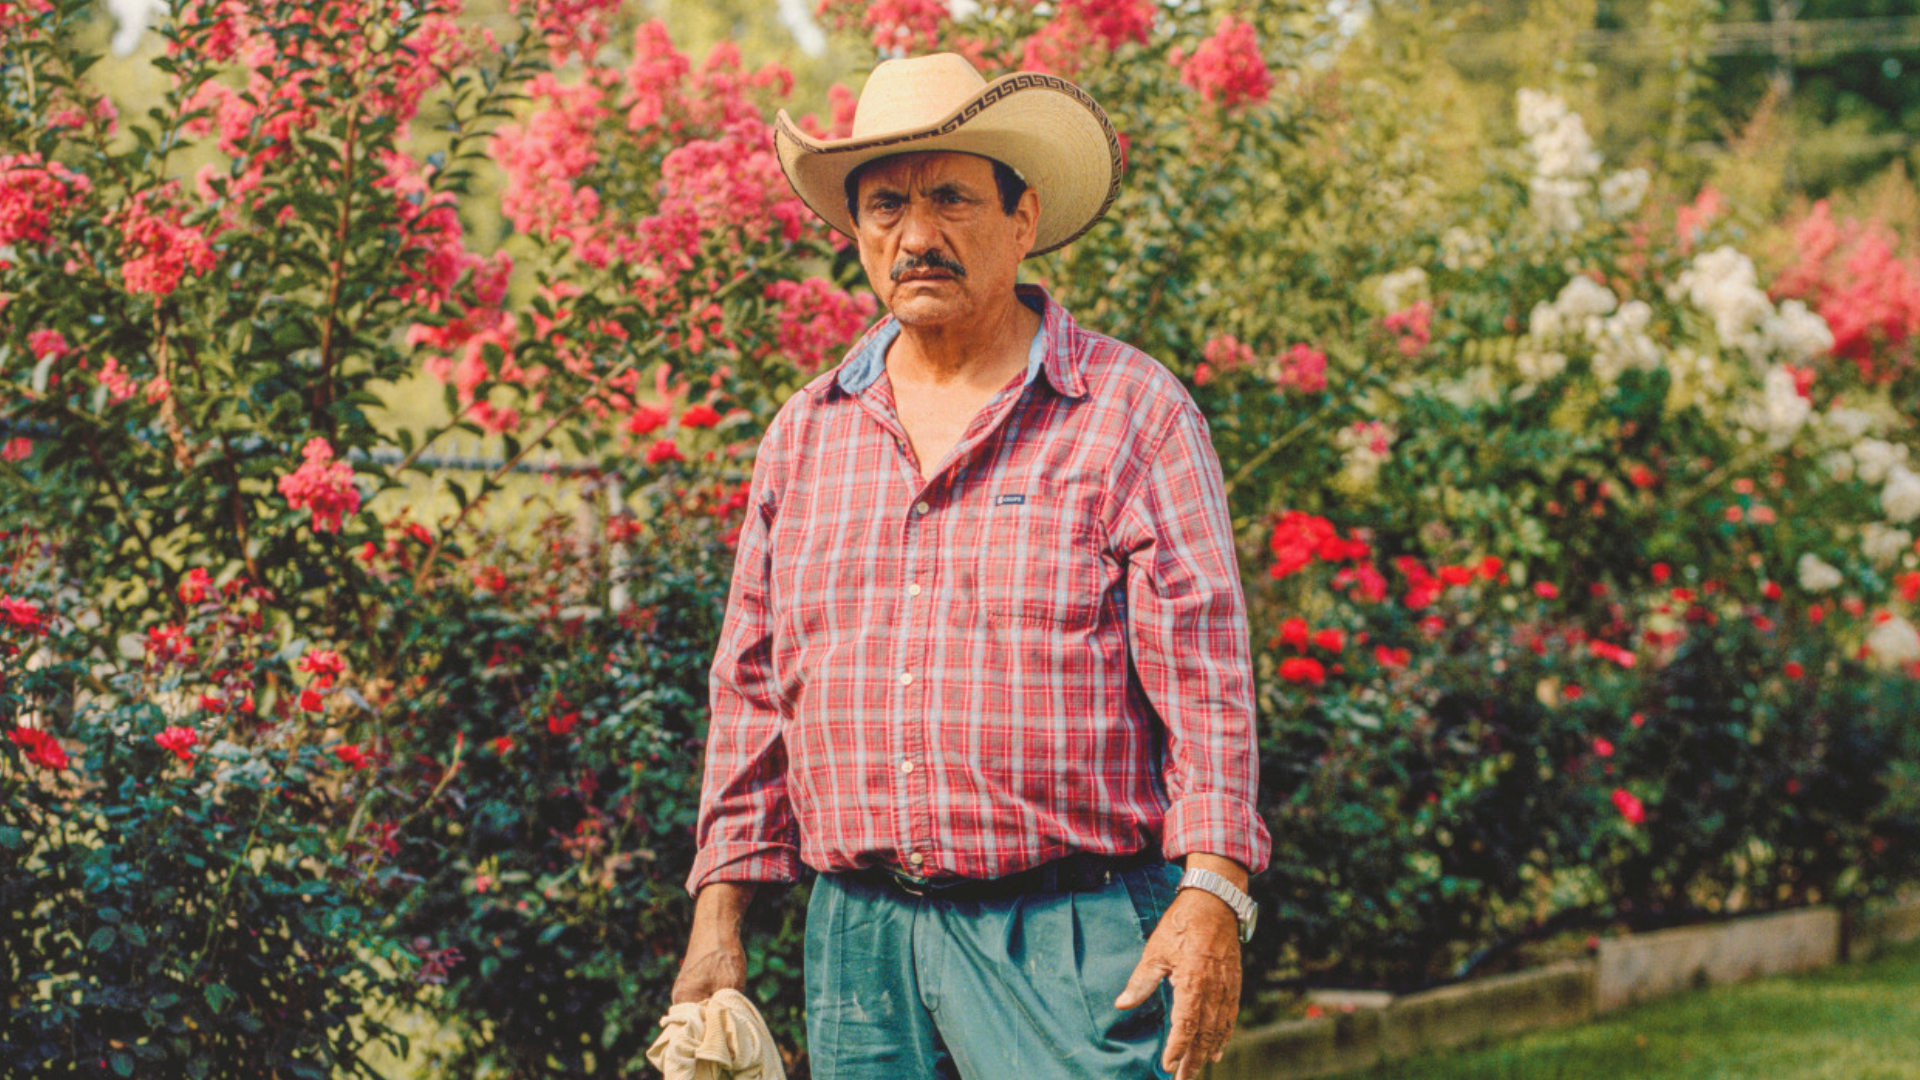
(1041, 650)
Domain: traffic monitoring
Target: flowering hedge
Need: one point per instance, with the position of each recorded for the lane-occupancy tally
(1577, 543)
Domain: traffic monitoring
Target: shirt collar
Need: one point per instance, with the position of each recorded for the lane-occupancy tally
(1052, 350)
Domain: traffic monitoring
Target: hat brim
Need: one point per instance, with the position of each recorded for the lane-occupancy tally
(1046, 128)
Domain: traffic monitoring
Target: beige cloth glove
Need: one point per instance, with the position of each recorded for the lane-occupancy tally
(721, 1038)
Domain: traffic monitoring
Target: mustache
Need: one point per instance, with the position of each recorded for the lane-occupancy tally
(931, 260)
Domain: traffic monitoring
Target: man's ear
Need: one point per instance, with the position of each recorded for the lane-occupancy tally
(1026, 216)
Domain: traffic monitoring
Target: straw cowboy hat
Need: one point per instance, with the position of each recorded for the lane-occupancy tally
(1047, 129)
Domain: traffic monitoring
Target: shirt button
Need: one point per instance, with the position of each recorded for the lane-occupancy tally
(906, 766)
(913, 589)
(916, 858)
(906, 678)
(921, 507)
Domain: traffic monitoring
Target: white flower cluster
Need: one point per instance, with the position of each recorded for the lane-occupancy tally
(1848, 424)
(1883, 544)
(1780, 412)
(1724, 286)
(1622, 193)
(1816, 574)
(1901, 497)
(1403, 288)
(1589, 311)
(1876, 458)
(1564, 159)
(1796, 334)
(1894, 642)
(1464, 250)
(1698, 378)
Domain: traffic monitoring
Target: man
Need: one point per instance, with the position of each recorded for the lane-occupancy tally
(984, 665)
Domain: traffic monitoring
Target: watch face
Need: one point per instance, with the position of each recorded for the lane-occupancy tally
(1246, 928)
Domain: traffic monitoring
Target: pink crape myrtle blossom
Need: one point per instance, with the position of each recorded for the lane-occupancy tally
(1227, 69)
(1079, 28)
(76, 115)
(1303, 370)
(1690, 222)
(654, 76)
(213, 29)
(1223, 353)
(323, 486)
(841, 103)
(544, 156)
(817, 320)
(434, 252)
(455, 351)
(1412, 327)
(572, 27)
(729, 187)
(47, 343)
(158, 250)
(32, 191)
(896, 26)
(119, 385)
(15, 14)
(1851, 273)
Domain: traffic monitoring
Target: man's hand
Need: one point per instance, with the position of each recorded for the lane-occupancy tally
(715, 959)
(1196, 948)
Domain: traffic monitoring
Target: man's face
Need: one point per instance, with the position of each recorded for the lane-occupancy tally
(935, 243)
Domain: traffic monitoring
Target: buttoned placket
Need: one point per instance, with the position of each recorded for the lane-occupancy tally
(918, 589)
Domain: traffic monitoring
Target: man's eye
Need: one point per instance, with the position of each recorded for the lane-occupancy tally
(885, 205)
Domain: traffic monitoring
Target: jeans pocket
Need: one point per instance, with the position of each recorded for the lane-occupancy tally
(1114, 925)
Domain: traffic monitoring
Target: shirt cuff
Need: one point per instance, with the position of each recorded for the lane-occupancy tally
(1217, 824)
(742, 861)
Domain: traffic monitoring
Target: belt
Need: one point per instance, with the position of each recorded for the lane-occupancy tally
(1080, 872)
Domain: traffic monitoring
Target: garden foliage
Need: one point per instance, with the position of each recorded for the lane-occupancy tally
(1578, 546)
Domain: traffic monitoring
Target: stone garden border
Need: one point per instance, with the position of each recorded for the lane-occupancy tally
(1363, 1030)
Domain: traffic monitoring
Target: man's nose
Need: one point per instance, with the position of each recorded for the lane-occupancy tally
(919, 230)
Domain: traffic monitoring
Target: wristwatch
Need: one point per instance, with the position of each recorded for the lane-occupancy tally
(1244, 909)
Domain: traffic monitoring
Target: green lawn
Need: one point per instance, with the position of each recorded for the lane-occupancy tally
(1850, 1022)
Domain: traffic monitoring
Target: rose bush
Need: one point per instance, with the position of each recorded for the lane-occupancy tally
(1577, 543)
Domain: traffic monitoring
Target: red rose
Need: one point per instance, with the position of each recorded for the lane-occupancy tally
(1629, 806)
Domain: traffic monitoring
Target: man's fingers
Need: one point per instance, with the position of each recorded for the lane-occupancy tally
(1181, 1027)
(1140, 985)
(1201, 1040)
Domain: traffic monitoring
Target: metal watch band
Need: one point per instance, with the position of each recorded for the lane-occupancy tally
(1244, 909)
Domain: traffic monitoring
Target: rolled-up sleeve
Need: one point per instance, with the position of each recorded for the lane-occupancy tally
(746, 829)
(1187, 632)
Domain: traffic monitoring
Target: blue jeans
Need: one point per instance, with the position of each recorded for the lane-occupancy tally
(901, 987)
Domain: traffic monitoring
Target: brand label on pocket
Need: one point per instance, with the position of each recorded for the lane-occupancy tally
(1009, 500)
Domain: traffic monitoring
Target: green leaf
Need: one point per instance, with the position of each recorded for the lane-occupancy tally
(219, 997)
(102, 939)
(122, 1062)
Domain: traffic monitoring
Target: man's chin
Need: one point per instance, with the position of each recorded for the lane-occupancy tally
(919, 309)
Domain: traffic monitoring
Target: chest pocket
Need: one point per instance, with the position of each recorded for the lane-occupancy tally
(1037, 561)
